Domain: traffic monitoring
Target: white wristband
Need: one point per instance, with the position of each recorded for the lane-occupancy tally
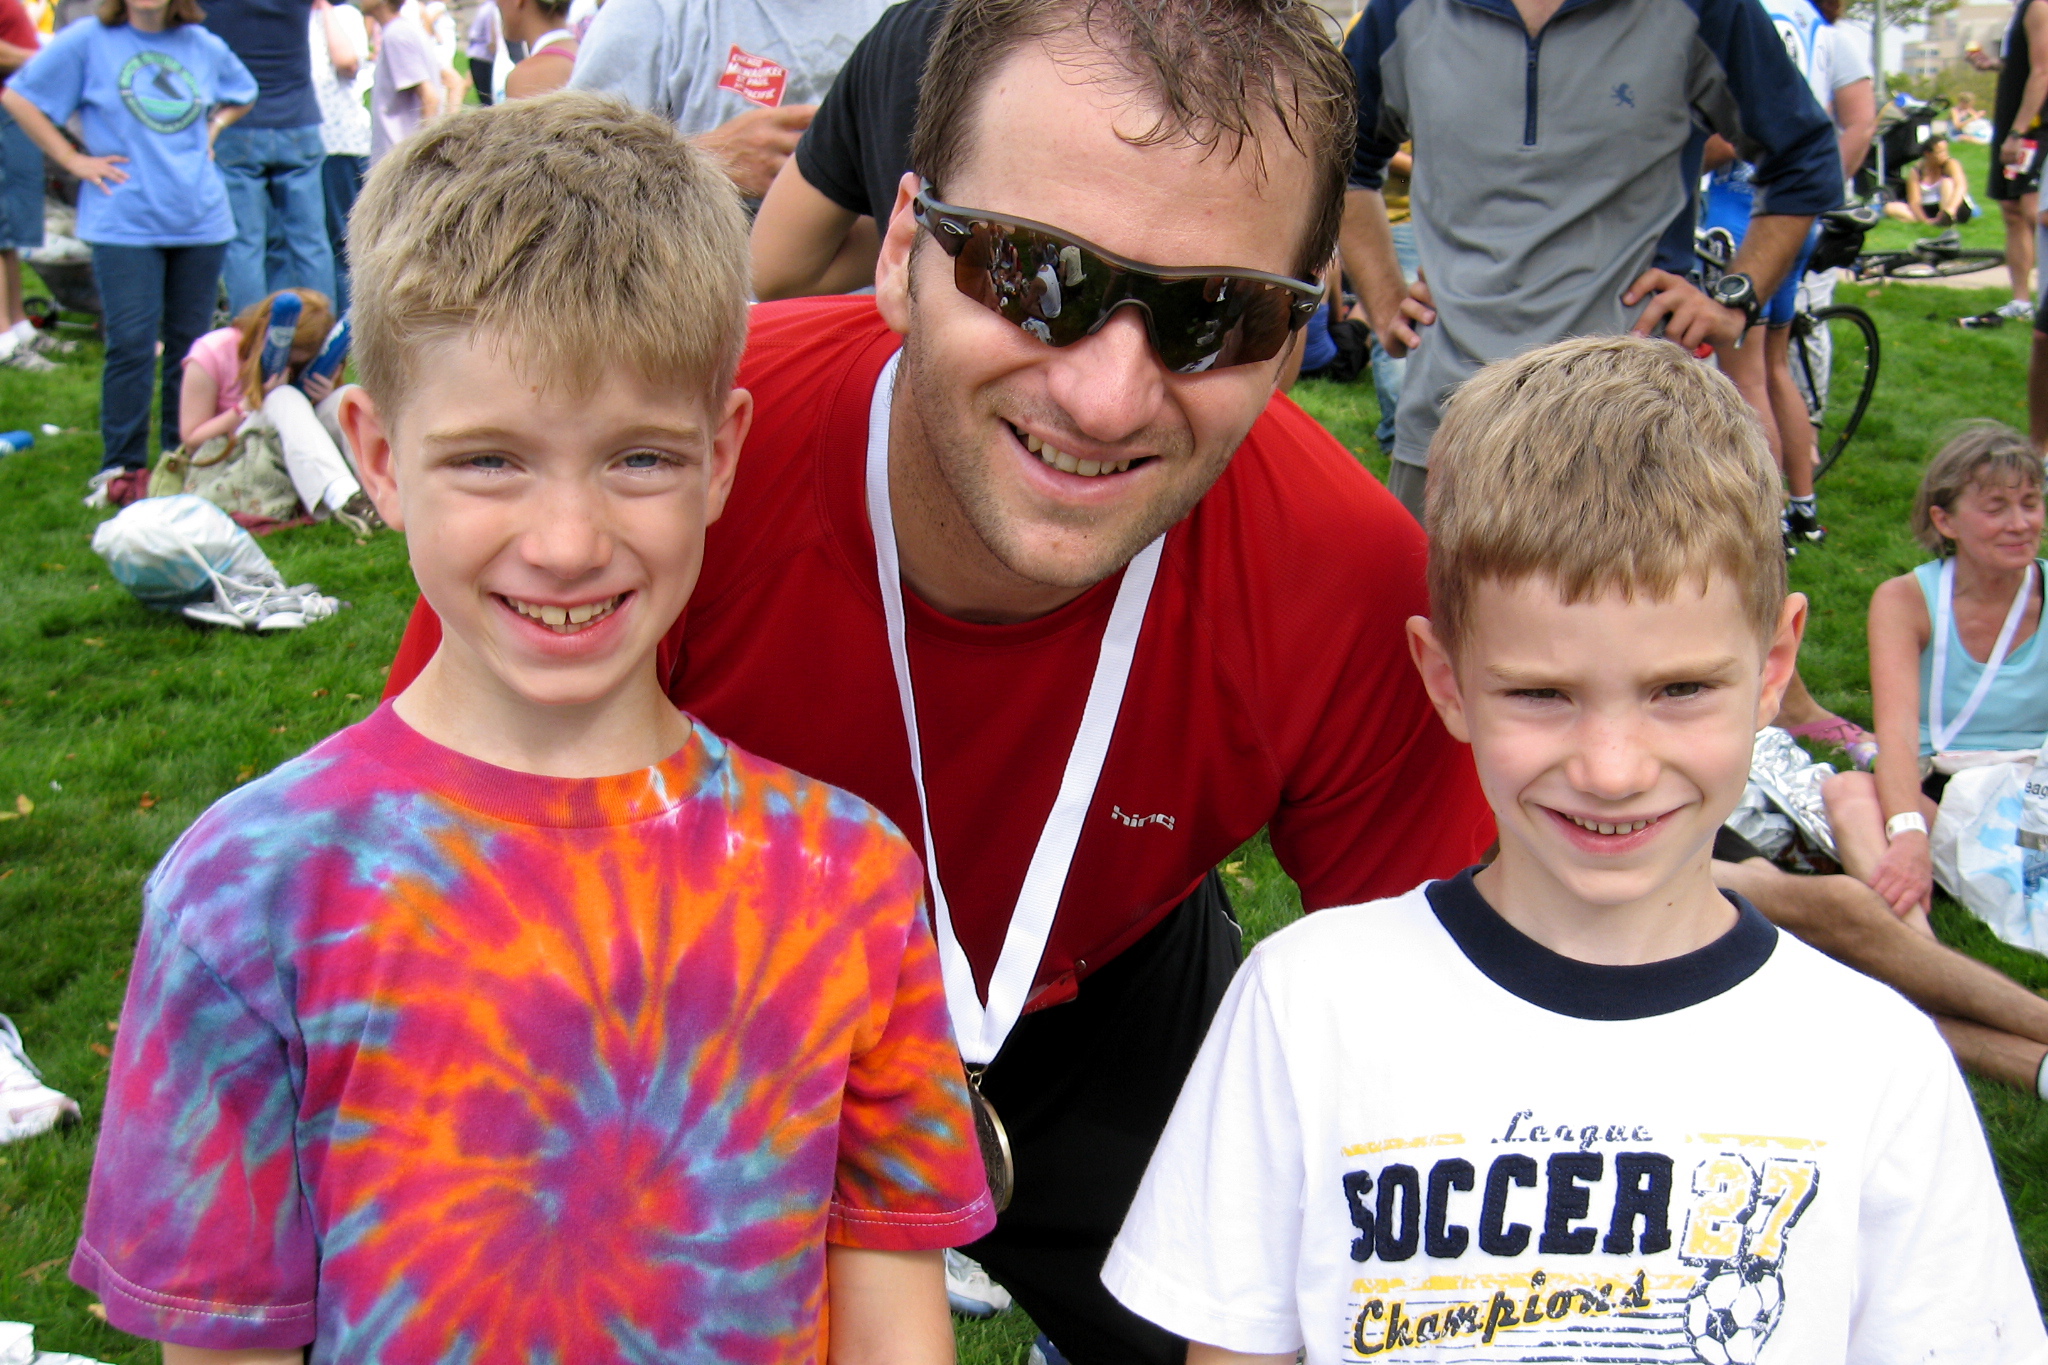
(1902, 822)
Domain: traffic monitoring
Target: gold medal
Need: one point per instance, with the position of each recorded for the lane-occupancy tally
(995, 1143)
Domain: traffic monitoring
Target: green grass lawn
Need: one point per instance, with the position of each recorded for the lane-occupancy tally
(120, 726)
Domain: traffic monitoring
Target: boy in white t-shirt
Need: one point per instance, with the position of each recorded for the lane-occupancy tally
(1579, 1105)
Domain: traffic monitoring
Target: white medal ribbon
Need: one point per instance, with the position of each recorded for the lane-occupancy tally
(1944, 608)
(981, 1029)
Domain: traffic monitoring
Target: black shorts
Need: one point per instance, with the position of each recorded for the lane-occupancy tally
(1084, 1089)
(2008, 188)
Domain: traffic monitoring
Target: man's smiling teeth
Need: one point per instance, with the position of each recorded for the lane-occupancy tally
(1598, 828)
(1059, 459)
(565, 620)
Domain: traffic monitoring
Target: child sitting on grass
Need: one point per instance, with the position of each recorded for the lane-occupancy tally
(223, 385)
(527, 1020)
(1578, 1105)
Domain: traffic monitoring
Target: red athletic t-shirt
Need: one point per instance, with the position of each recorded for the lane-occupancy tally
(17, 28)
(1272, 684)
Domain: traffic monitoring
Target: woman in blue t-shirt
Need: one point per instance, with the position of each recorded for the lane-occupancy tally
(1958, 670)
(152, 89)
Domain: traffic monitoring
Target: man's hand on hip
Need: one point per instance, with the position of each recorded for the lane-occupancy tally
(752, 146)
(1690, 318)
(1398, 333)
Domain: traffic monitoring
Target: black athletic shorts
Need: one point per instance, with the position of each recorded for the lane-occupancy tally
(2003, 186)
(1084, 1089)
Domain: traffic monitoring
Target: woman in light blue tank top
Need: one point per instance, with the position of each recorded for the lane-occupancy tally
(1957, 664)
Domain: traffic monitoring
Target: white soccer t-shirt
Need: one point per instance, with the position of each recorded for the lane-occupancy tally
(1414, 1134)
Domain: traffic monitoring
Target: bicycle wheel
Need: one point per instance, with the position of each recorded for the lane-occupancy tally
(1834, 354)
(1940, 268)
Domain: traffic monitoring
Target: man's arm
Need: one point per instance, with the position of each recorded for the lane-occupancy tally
(341, 43)
(1366, 244)
(754, 146)
(1769, 248)
(802, 244)
(1855, 123)
(887, 1307)
(13, 58)
(196, 1355)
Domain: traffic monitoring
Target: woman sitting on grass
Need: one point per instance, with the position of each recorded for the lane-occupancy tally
(1955, 651)
(1937, 190)
(225, 367)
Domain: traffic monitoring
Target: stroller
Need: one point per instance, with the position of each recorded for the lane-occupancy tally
(1903, 136)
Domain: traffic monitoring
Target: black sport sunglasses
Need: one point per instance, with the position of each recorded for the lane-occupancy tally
(1061, 288)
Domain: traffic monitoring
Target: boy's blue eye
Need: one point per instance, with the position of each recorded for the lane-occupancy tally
(485, 462)
(1684, 689)
(646, 459)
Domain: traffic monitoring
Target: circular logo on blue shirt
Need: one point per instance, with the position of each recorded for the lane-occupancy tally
(159, 91)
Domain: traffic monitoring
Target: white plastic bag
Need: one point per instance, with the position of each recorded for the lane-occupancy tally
(167, 550)
(1978, 857)
(184, 554)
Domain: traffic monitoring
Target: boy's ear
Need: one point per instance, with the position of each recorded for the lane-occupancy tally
(1781, 660)
(892, 267)
(725, 451)
(370, 442)
(1439, 676)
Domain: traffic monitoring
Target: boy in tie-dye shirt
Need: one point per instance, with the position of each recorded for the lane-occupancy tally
(527, 1021)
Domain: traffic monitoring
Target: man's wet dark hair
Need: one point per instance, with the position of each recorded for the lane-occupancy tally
(1219, 73)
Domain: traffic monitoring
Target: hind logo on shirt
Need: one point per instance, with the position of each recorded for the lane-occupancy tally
(1572, 1242)
(160, 92)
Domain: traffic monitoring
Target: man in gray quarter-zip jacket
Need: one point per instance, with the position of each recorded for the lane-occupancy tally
(1548, 138)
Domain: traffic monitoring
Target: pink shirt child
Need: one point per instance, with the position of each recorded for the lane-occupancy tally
(219, 353)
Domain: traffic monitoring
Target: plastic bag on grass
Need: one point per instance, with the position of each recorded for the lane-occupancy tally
(184, 554)
(1978, 856)
(18, 1347)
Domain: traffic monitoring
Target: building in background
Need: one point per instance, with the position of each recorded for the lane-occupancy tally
(1949, 35)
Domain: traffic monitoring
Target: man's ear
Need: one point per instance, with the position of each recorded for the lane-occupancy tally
(725, 451)
(1781, 660)
(1439, 676)
(369, 440)
(892, 266)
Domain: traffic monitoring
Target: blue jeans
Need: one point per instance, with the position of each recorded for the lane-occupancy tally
(149, 293)
(1386, 370)
(341, 180)
(273, 180)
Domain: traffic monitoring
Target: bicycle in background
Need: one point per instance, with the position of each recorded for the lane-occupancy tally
(1834, 347)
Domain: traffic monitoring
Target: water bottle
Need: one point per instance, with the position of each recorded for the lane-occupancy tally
(327, 365)
(277, 339)
(2033, 837)
(13, 442)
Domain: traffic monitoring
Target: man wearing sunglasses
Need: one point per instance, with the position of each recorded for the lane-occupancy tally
(1026, 551)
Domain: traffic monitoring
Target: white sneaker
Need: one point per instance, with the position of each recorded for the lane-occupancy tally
(2018, 310)
(27, 1106)
(969, 1290)
(96, 487)
(22, 358)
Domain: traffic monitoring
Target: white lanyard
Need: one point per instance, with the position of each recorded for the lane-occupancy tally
(1944, 599)
(980, 1029)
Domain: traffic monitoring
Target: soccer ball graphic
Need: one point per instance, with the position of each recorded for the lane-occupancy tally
(1731, 1312)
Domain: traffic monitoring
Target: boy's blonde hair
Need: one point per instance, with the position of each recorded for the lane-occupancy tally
(1978, 448)
(583, 233)
(1602, 463)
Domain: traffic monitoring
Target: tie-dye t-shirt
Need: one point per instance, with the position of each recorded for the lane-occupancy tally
(428, 1060)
